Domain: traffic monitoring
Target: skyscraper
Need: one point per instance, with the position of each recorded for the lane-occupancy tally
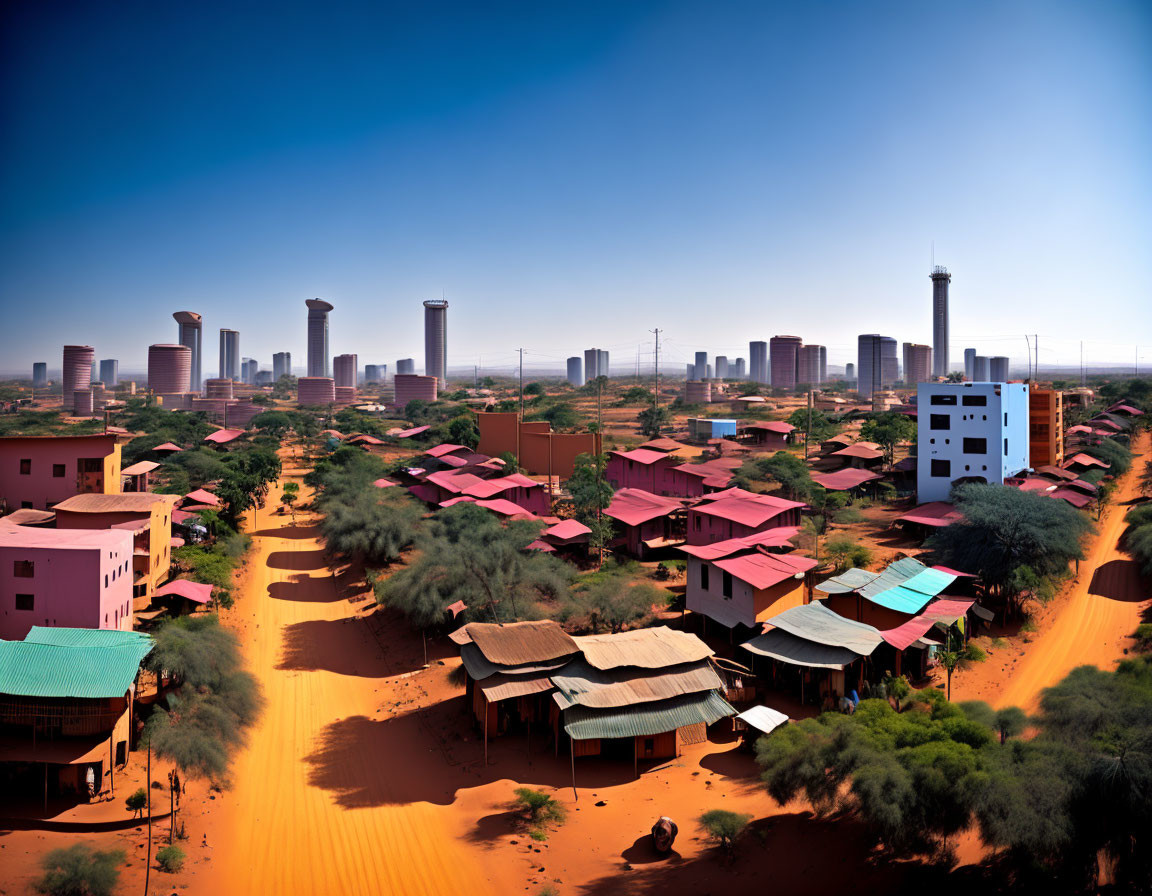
(758, 362)
(823, 364)
(602, 363)
(109, 372)
(969, 364)
(998, 369)
(77, 372)
(406, 367)
(189, 330)
(917, 363)
(981, 371)
(576, 370)
(318, 337)
(784, 359)
(940, 280)
(169, 368)
(230, 354)
(344, 368)
(701, 366)
(850, 371)
(877, 365)
(39, 374)
(436, 340)
(740, 370)
(808, 365)
(721, 367)
(281, 365)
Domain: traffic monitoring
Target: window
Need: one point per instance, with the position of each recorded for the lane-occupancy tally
(25, 504)
(57, 471)
(105, 580)
(25, 601)
(25, 466)
(1005, 447)
(944, 399)
(699, 522)
(704, 576)
(975, 401)
(975, 446)
(726, 584)
(941, 468)
(23, 569)
(939, 421)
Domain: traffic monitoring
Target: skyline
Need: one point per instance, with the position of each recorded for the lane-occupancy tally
(723, 174)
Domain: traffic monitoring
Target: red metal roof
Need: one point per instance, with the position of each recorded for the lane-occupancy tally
(947, 610)
(140, 468)
(904, 636)
(936, 514)
(772, 426)
(332, 432)
(365, 440)
(859, 450)
(1085, 460)
(224, 436)
(426, 493)
(445, 448)
(539, 545)
(407, 433)
(662, 445)
(777, 537)
(384, 483)
(1126, 408)
(500, 506)
(843, 480)
(201, 496)
(1075, 498)
(1058, 472)
(744, 507)
(567, 529)
(193, 591)
(167, 446)
(452, 481)
(765, 570)
(641, 455)
(633, 506)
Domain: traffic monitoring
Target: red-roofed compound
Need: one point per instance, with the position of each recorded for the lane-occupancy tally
(647, 521)
(734, 513)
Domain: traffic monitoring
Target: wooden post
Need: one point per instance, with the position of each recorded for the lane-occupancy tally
(572, 753)
(112, 763)
(635, 758)
(148, 788)
(45, 788)
(485, 699)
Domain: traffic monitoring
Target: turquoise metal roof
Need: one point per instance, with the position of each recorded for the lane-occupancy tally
(86, 637)
(906, 585)
(646, 719)
(35, 669)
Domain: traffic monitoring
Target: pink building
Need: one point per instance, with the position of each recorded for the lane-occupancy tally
(316, 391)
(64, 577)
(642, 468)
(77, 371)
(646, 522)
(736, 513)
(344, 370)
(41, 471)
(169, 369)
(515, 487)
(411, 387)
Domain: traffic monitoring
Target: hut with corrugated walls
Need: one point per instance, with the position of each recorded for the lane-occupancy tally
(651, 690)
(509, 667)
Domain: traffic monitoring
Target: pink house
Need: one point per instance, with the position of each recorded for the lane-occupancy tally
(647, 522)
(64, 577)
(736, 513)
(644, 468)
(41, 471)
(515, 487)
(769, 434)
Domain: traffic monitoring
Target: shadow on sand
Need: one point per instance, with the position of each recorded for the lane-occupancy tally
(299, 530)
(301, 561)
(1119, 580)
(344, 646)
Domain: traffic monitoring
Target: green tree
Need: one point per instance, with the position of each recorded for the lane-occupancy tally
(539, 810)
(374, 526)
(560, 415)
(654, 420)
(1005, 529)
(591, 494)
(289, 494)
(888, 430)
(724, 827)
(462, 430)
(78, 870)
(274, 423)
(534, 389)
(613, 602)
(170, 859)
(787, 469)
(137, 801)
(846, 553)
(465, 554)
(822, 425)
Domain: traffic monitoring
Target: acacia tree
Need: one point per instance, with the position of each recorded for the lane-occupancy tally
(654, 420)
(787, 469)
(591, 495)
(888, 430)
(614, 602)
(466, 554)
(1005, 532)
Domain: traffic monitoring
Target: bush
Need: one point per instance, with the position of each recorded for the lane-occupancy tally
(170, 859)
(539, 810)
(79, 870)
(724, 826)
(137, 801)
(1143, 636)
(846, 553)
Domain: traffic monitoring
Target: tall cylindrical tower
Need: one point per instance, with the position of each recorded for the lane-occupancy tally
(190, 332)
(576, 370)
(940, 280)
(969, 364)
(39, 374)
(109, 372)
(316, 391)
(721, 367)
(169, 369)
(82, 403)
(758, 362)
(318, 337)
(998, 369)
(981, 369)
(78, 360)
(436, 340)
(344, 367)
(784, 360)
(230, 355)
(701, 366)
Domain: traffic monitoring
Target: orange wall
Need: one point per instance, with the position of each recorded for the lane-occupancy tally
(498, 431)
(778, 598)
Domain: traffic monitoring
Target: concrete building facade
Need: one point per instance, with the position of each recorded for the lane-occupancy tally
(281, 365)
(721, 367)
(877, 366)
(758, 362)
(784, 360)
(230, 355)
(969, 431)
(808, 365)
(411, 387)
(169, 368)
(436, 340)
(917, 363)
(63, 577)
(981, 369)
(315, 391)
(110, 372)
(318, 337)
(940, 280)
(575, 371)
(41, 471)
(740, 371)
(969, 364)
(998, 369)
(405, 367)
(189, 332)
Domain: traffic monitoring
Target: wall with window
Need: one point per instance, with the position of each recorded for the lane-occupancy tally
(88, 586)
(41, 472)
(969, 431)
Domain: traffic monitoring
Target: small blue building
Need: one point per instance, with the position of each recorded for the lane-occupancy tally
(704, 428)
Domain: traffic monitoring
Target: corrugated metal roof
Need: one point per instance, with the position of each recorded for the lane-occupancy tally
(815, 622)
(139, 468)
(740, 506)
(193, 591)
(87, 637)
(645, 648)
(765, 570)
(777, 537)
(646, 719)
(633, 506)
(517, 643)
(935, 514)
(479, 668)
(507, 687)
(445, 448)
(781, 645)
(33, 669)
(128, 502)
(644, 456)
(843, 480)
(579, 683)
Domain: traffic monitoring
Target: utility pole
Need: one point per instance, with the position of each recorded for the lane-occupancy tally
(521, 385)
(599, 468)
(1036, 348)
(656, 398)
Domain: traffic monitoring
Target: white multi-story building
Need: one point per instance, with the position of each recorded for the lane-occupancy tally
(969, 431)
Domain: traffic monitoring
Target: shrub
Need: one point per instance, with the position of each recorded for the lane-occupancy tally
(1143, 636)
(845, 553)
(724, 826)
(78, 870)
(539, 811)
(137, 801)
(170, 859)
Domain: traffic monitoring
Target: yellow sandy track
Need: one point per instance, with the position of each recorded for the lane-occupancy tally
(1090, 628)
(279, 833)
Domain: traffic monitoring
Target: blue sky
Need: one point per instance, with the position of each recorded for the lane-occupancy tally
(570, 175)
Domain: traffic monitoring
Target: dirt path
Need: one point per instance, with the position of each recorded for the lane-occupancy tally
(1091, 625)
(295, 822)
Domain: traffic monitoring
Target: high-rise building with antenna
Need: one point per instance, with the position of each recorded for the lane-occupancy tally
(436, 340)
(189, 332)
(940, 280)
(318, 337)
